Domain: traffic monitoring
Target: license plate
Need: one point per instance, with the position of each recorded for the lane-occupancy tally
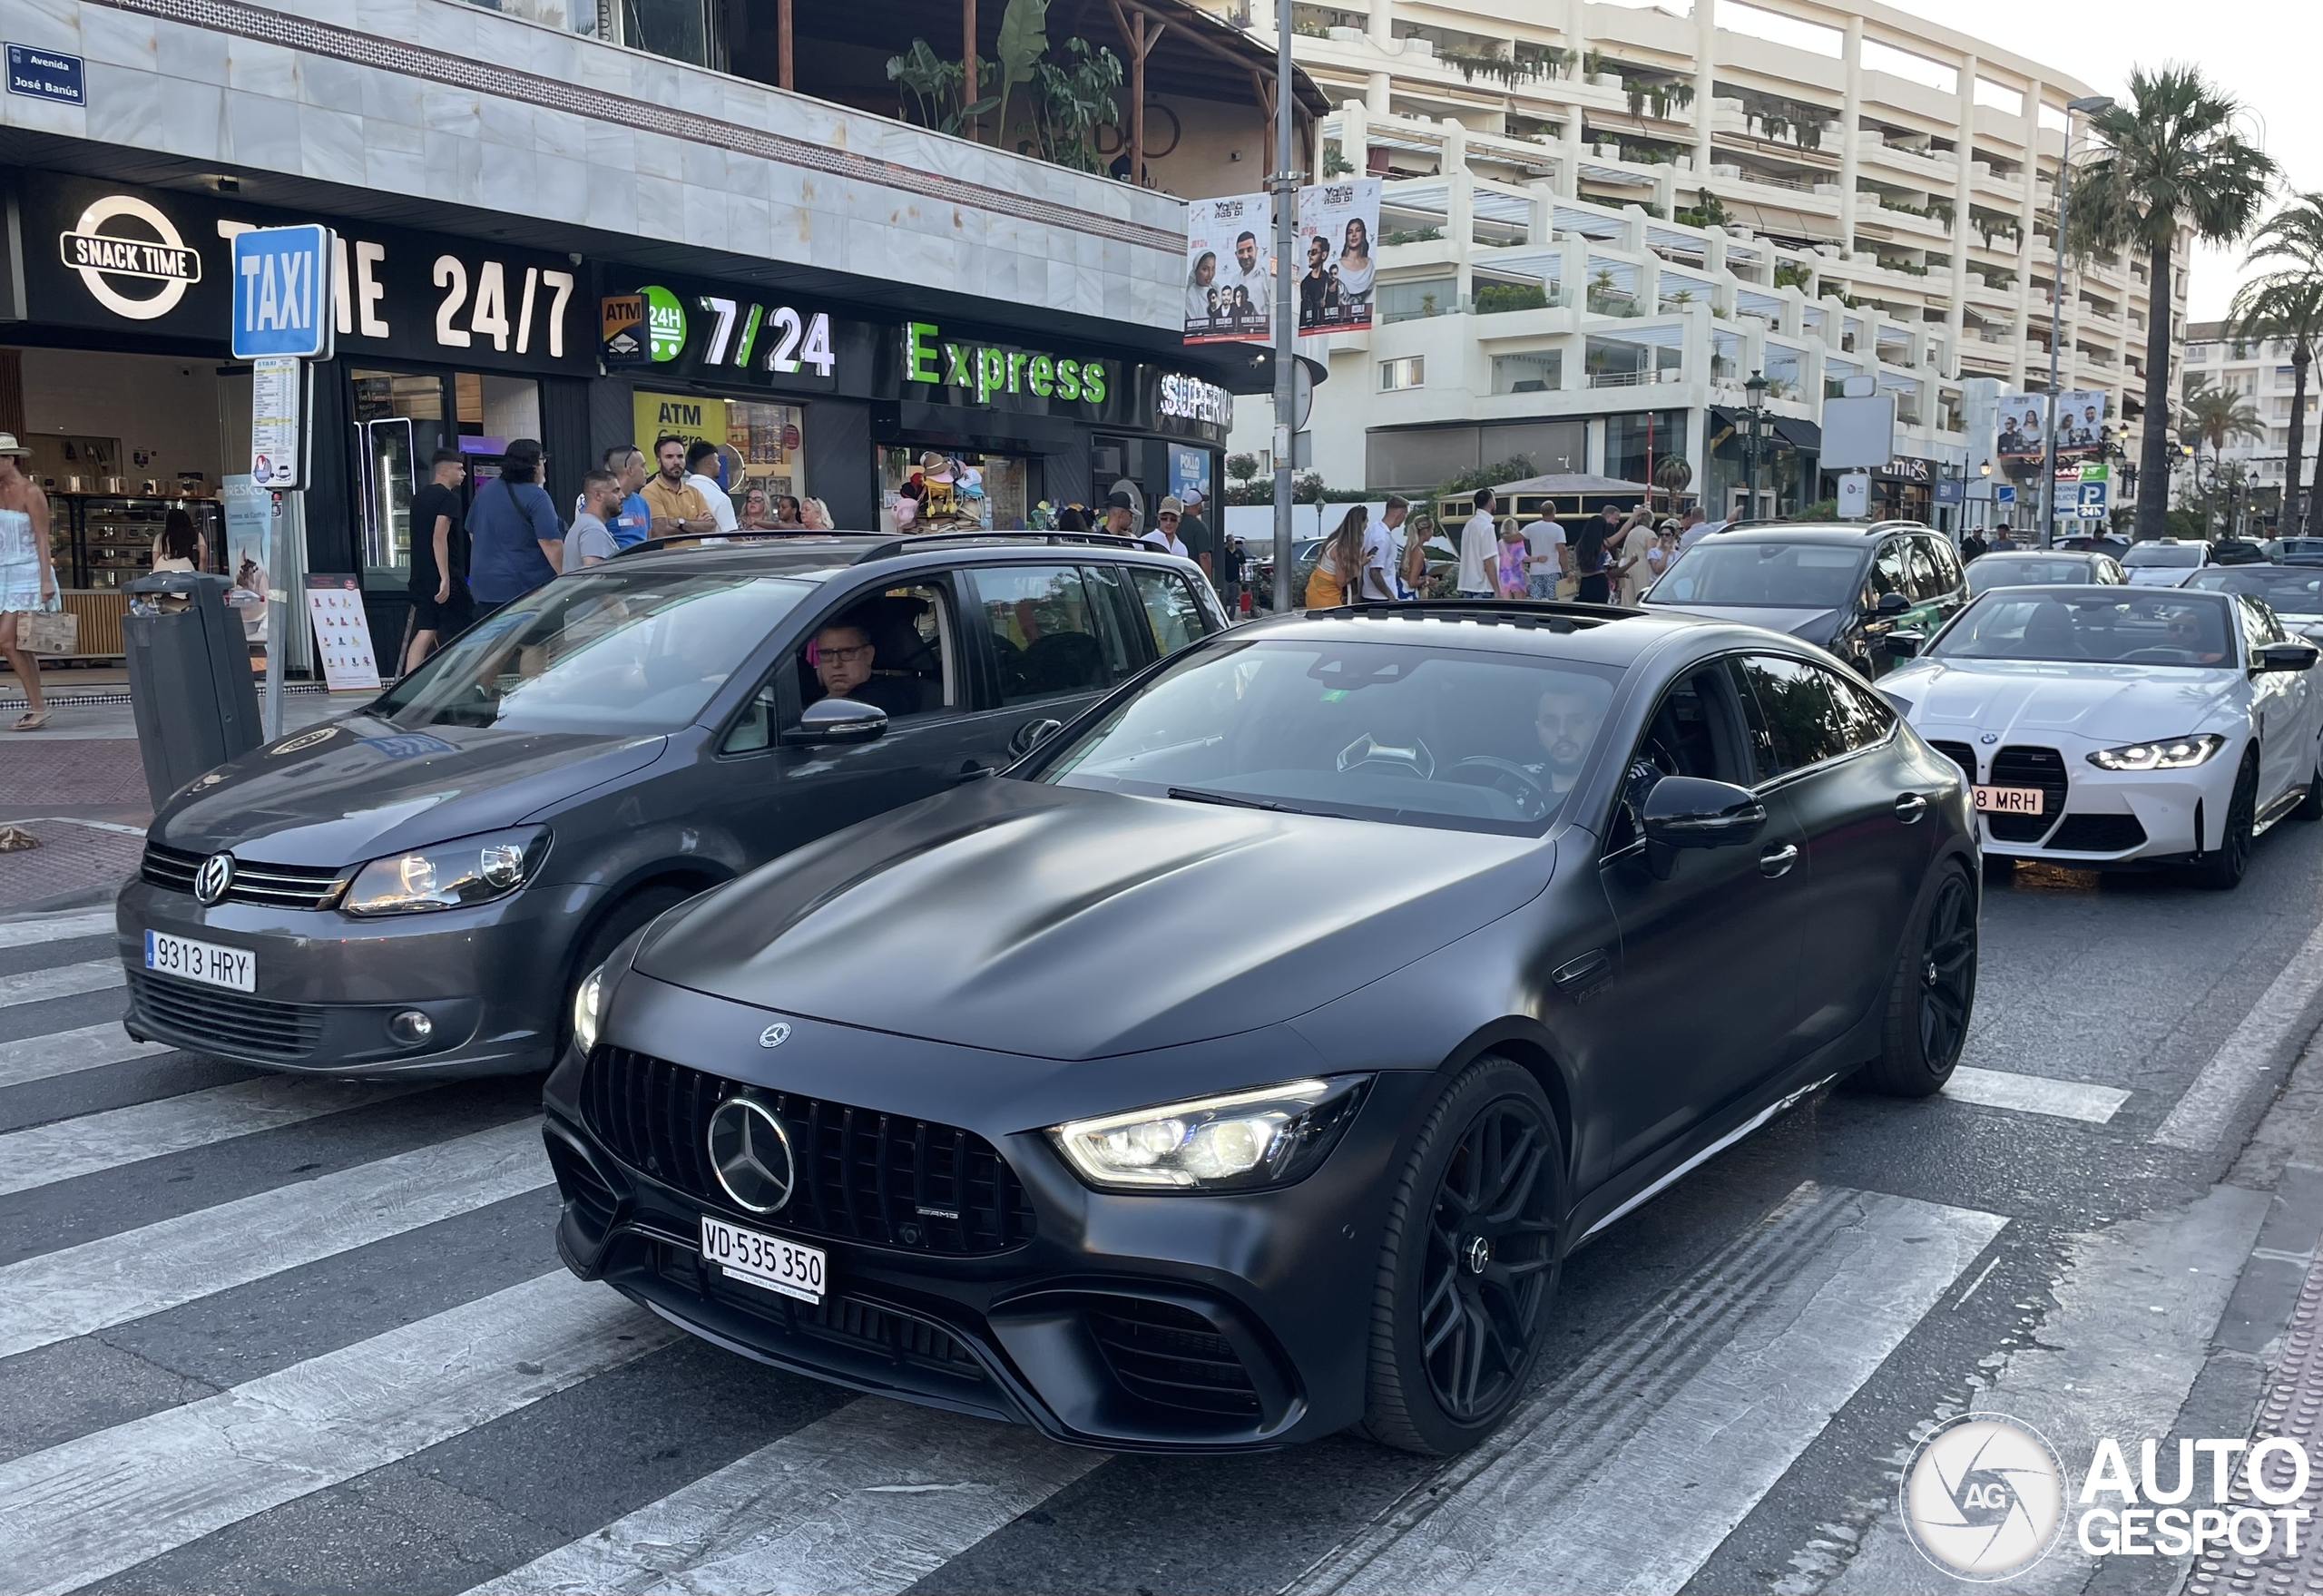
(234, 968)
(771, 1261)
(2009, 800)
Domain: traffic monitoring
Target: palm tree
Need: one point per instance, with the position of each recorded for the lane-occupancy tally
(2216, 417)
(2172, 159)
(2288, 303)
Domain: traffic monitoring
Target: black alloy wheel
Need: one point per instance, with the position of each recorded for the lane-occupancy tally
(2310, 802)
(1932, 996)
(1473, 1251)
(2223, 869)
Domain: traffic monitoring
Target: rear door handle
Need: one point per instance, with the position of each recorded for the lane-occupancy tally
(1777, 861)
(1910, 807)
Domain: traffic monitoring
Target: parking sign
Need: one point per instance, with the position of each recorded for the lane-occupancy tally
(282, 286)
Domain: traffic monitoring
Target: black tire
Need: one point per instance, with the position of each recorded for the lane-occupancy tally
(1932, 994)
(2223, 868)
(1488, 1166)
(2311, 806)
(609, 933)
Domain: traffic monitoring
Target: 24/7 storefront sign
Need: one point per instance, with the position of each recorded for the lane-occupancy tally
(159, 263)
(717, 334)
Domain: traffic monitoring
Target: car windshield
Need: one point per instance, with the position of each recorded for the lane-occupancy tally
(2116, 626)
(2296, 590)
(600, 650)
(1805, 576)
(1399, 732)
(2023, 571)
(2163, 554)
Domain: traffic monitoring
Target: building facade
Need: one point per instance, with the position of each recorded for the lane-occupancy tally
(2260, 373)
(1601, 221)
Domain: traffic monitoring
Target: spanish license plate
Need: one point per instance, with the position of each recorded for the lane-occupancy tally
(235, 968)
(771, 1261)
(2009, 800)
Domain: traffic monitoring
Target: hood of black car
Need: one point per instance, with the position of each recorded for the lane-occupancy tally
(1076, 925)
(359, 787)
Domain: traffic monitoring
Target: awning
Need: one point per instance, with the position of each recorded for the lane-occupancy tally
(1792, 431)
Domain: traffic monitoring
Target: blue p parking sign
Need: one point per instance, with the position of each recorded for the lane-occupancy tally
(282, 287)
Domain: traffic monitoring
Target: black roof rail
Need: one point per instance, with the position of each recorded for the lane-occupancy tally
(1522, 613)
(889, 548)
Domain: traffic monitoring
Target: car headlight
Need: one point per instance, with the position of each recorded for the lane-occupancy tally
(1239, 1143)
(588, 1006)
(472, 870)
(2168, 753)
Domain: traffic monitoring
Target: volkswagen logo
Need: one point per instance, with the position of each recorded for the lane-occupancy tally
(215, 878)
(774, 1035)
(750, 1154)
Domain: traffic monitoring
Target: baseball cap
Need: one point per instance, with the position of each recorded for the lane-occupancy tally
(1173, 505)
(1119, 501)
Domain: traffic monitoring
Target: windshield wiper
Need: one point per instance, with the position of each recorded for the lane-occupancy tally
(1197, 796)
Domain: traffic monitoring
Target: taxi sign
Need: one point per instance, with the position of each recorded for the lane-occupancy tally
(282, 286)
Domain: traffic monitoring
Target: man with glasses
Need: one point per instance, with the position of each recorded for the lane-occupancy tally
(1164, 535)
(2194, 635)
(842, 656)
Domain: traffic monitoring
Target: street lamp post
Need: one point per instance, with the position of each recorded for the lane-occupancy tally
(1284, 186)
(1755, 413)
(2088, 105)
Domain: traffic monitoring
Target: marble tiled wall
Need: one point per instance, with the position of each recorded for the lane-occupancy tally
(425, 126)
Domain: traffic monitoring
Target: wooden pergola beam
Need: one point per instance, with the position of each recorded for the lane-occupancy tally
(1131, 21)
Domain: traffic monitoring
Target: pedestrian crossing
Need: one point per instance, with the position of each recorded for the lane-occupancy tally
(1710, 1390)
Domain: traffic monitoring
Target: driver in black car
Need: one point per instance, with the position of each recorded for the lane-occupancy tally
(1565, 722)
(843, 656)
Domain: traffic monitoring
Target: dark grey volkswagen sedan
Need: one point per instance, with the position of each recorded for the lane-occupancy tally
(1244, 1063)
(414, 889)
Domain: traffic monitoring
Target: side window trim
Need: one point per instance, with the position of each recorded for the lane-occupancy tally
(1735, 708)
(1888, 735)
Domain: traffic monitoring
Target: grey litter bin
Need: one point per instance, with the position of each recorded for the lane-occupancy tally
(189, 677)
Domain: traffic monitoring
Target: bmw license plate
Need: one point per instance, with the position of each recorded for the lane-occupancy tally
(770, 1261)
(234, 968)
(2008, 800)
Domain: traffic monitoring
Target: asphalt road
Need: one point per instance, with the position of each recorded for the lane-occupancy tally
(267, 1334)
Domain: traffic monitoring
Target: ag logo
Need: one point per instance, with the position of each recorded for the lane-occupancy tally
(104, 257)
(1983, 1498)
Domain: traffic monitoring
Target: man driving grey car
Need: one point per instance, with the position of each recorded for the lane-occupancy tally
(843, 656)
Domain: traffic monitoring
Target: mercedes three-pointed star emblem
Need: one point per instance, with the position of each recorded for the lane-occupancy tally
(749, 1152)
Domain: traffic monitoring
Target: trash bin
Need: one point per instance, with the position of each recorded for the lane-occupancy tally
(189, 677)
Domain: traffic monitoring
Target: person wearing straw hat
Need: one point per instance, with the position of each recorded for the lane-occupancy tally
(27, 580)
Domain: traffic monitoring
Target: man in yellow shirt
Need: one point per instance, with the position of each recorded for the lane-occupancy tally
(678, 507)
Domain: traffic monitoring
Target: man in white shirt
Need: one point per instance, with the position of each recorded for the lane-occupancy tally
(1479, 549)
(1164, 535)
(1380, 541)
(1692, 528)
(1251, 275)
(702, 452)
(1544, 562)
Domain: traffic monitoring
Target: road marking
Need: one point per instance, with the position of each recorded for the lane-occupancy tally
(59, 981)
(27, 933)
(870, 1500)
(108, 1500)
(70, 1147)
(1703, 1402)
(117, 1278)
(66, 1053)
(2035, 1095)
(2200, 1117)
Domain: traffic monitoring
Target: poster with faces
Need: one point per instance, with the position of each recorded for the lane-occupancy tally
(342, 634)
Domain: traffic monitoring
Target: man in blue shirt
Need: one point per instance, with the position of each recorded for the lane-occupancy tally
(515, 542)
(634, 524)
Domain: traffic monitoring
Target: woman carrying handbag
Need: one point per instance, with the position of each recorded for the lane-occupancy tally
(27, 580)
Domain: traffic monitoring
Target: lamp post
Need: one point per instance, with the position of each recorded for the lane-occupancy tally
(1755, 413)
(1284, 186)
(2087, 105)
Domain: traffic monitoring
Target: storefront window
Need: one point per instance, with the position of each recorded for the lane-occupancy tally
(401, 419)
(760, 445)
(1629, 439)
(953, 493)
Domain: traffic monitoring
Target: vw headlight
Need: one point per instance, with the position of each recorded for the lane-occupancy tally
(588, 1006)
(2167, 753)
(472, 870)
(1239, 1143)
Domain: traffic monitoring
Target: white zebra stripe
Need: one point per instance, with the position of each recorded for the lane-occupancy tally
(108, 1500)
(867, 1501)
(2035, 1095)
(59, 981)
(66, 1053)
(56, 928)
(70, 1147)
(115, 1279)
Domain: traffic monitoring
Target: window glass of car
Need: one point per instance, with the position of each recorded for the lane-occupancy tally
(2258, 626)
(898, 650)
(604, 650)
(1115, 611)
(2159, 553)
(1890, 570)
(2034, 571)
(2286, 590)
(1924, 584)
(1405, 733)
(1946, 560)
(1044, 630)
(1170, 609)
(1696, 730)
(2137, 626)
(1805, 714)
(1801, 576)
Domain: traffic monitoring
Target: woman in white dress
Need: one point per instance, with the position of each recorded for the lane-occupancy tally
(27, 580)
(1355, 267)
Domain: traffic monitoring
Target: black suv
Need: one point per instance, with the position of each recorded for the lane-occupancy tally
(413, 889)
(1847, 587)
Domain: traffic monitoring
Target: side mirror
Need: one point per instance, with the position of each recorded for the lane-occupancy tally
(1031, 734)
(1905, 644)
(2287, 656)
(1686, 811)
(839, 721)
(1891, 604)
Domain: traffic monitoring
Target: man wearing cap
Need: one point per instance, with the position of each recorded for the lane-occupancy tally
(1164, 535)
(1120, 515)
(1202, 542)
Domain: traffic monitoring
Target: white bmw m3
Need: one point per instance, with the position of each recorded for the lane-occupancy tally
(2116, 725)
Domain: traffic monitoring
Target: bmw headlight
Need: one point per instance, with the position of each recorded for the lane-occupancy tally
(588, 1007)
(472, 870)
(1239, 1143)
(2167, 753)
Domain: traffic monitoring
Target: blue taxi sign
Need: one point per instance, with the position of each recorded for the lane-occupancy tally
(282, 287)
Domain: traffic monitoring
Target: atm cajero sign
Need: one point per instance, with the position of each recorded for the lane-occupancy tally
(984, 371)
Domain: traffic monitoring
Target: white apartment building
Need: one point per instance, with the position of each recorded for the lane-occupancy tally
(1599, 220)
(2261, 373)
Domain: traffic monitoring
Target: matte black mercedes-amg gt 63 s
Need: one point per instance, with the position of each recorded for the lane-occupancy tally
(1243, 1063)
